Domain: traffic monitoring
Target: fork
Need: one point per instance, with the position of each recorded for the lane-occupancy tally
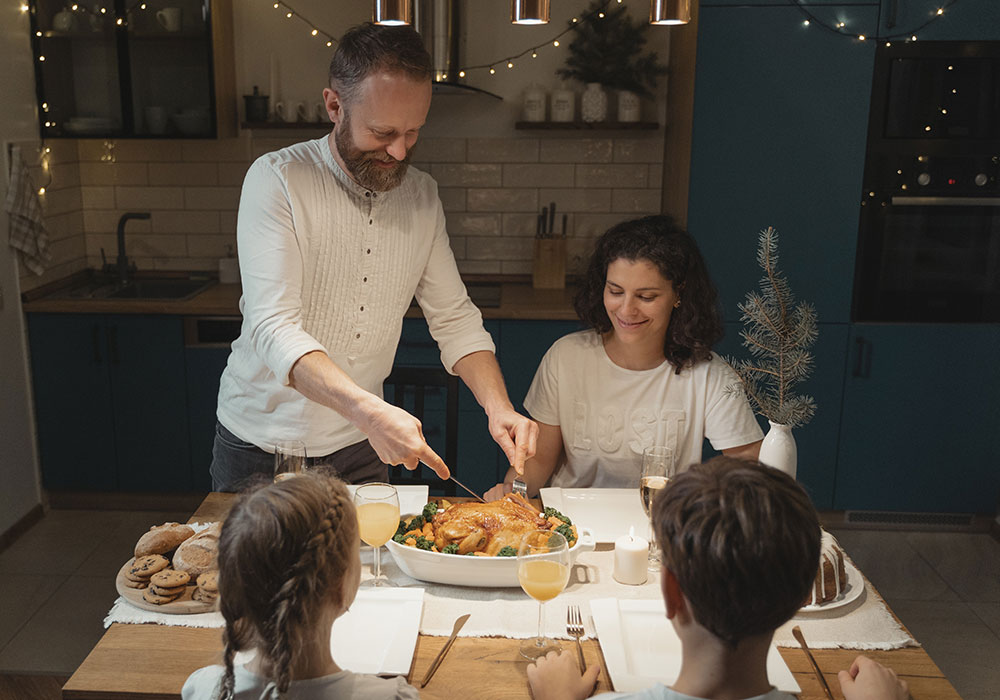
(574, 627)
(519, 487)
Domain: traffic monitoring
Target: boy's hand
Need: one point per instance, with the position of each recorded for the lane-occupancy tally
(556, 677)
(868, 680)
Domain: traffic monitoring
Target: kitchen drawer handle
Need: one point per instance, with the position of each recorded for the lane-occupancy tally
(113, 344)
(863, 359)
(97, 345)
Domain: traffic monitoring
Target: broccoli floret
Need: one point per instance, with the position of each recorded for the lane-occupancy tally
(507, 551)
(400, 529)
(567, 532)
(424, 543)
(416, 522)
(430, 510)
(450, 549)
(470, 554)
(399, 537)
(549, 512)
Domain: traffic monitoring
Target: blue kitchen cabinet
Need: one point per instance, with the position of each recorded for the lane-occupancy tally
(818, 440)
(204, 369)
(780, 124)
(919, 422)
(70, 372)
(969, 20)
(521, 348)
(109, 407)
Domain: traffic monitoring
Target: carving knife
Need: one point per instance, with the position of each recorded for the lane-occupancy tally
(452, 477)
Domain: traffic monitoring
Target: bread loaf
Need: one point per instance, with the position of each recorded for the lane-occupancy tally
(198, 554)
(162, 539)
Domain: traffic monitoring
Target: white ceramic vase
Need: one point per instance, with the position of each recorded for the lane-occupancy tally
(594, 104)
(629, 107)
(778, 449)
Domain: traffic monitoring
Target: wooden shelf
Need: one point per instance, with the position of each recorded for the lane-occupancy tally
(594, 126)
(287, 125)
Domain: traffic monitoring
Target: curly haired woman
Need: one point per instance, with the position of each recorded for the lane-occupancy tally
(643, 374)
(288, 567)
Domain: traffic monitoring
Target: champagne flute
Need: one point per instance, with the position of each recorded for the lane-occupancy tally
(657, 470)
(289, 459)
(378, 518)
(542, 570)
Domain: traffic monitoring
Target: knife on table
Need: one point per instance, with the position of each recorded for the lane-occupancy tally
(444, 650)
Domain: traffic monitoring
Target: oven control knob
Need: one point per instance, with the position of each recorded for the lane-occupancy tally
(924, 179)
(980, 179)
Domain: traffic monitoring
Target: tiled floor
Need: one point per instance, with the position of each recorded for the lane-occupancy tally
(58, 583)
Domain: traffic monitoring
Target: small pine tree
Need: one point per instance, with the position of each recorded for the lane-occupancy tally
(608, 50)
(778, 334)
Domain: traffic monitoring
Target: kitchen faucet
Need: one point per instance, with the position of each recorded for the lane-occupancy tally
(123, 266)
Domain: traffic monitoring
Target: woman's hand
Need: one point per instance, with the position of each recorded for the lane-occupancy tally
(498, 491)
(556, 677)
(870, 680)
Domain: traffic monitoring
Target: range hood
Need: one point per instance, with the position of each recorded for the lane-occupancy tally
(439, 23)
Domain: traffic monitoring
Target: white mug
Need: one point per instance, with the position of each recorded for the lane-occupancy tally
(284, 111)
(301, 112)
(169, 18)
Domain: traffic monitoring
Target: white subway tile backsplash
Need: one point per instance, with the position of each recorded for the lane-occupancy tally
(570, 200)
(232, 174)
(516, 224)
(467, 174)
(209, 246)
(183, 174)
(457, 244)
(237, 149)
(185, 222)
(479, 267)
(218, 198)
(146, 198)
(473, 224)
(57, 201)
(98, 197)
(139, 150)
(537, 175)
(505, 248)
(515, 267)
(439, 150)
(502, 151)
(227, 222)
(612, 175)
(503, 200)
(452, 198)
(648, 150)
(589, 226)
(636, 201)
(113, 173)
(655, 176)
(575, 150)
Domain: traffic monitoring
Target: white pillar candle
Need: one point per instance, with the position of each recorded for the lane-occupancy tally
(630, 559)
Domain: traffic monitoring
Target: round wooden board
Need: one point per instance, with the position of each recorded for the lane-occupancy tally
(181, 606)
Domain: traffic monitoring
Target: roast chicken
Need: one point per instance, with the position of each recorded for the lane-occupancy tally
(486, 527)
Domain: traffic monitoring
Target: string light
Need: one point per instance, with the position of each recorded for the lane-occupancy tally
(837, 27)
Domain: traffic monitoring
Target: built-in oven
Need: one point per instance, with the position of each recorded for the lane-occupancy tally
(929, 234)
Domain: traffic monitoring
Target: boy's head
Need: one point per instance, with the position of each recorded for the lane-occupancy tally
(742, 540)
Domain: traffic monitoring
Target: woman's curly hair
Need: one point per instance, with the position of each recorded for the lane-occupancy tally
(284, 550)
(696, 325)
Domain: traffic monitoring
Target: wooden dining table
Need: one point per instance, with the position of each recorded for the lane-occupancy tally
(151, 661)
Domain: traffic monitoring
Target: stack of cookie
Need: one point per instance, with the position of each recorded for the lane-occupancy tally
(208, 588)
(143, 568)
(165, 586)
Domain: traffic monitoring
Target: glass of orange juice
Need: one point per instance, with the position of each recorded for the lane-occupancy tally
(378, 518)
(543, 570)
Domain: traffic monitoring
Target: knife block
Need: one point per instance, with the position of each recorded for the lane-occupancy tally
(548, 270)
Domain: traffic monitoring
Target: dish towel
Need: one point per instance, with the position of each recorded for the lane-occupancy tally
(27, 227)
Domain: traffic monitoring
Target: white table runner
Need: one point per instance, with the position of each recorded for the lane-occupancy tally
(509, 612)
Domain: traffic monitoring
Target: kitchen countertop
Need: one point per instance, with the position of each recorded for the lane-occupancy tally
(517, 300)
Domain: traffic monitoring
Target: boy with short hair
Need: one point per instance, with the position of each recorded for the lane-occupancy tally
(740, 547)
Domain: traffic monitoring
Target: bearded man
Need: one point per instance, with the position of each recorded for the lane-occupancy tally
(335, 237)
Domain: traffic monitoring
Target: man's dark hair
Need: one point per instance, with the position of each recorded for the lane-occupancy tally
(742, 540)
(368, 48)
(696, 325)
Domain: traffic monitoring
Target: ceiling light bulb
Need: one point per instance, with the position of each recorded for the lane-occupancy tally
(669, 12)
(529, 11)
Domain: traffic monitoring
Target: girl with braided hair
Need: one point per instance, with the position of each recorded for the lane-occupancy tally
(289, 565)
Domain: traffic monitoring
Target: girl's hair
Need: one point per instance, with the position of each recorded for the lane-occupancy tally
(696, 324)
(284, 550)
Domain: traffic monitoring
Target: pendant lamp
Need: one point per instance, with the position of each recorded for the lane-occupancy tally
(529, 11)
(669, 11)
(392, 13)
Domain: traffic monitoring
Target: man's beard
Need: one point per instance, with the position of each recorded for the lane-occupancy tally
(362, 166)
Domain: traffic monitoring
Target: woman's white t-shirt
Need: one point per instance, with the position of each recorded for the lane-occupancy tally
(608, 414)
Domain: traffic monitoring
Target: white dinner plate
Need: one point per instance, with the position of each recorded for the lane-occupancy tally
(412, 498)
(379, 632)
(608, 513)
(641, 648)
(854, 588)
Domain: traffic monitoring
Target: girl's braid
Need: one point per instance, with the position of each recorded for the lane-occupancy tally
(227, 691)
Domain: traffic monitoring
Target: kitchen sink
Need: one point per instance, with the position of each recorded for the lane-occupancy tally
(164, 288)
(160, 289)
